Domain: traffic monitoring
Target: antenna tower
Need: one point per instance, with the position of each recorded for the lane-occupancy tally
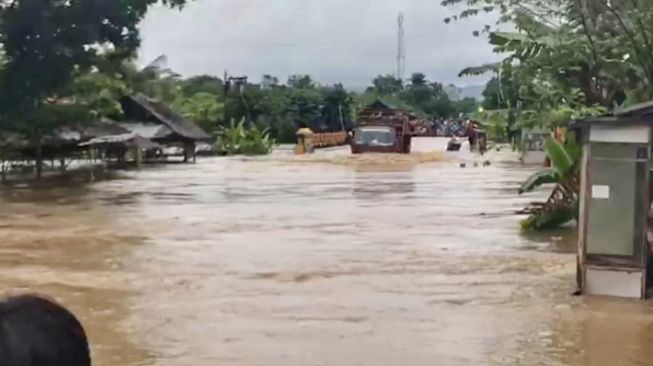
(401, 47)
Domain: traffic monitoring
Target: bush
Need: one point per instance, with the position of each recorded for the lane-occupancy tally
(239, 140)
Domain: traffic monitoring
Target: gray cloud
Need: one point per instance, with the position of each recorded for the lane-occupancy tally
(347, 41)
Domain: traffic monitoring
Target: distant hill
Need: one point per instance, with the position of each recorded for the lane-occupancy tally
(473, 91)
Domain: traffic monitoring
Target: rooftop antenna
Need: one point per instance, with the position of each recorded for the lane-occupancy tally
(401, 47)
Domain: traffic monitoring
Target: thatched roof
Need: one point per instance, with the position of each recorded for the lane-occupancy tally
(173, 120)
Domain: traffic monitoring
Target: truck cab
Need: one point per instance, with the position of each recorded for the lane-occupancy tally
(382, 129)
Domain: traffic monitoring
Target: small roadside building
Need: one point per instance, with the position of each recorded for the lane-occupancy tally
(155, 121)
(616, 219)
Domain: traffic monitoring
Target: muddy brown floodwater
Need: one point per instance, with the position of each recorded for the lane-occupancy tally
(322, 260)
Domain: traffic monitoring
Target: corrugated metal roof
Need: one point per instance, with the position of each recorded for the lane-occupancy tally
(638, 114)
(147, 130)
(176, 122)
(128, 139)
(637, 109)
(85, 131)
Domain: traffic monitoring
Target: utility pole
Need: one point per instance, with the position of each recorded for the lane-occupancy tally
(225, 90)
(401, 47)
(342, 120)
(240, 82)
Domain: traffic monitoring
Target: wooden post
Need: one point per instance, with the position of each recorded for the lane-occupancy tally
(189, 151)
(139, 157)
(3, 170)
(91, 173)
(39, 159)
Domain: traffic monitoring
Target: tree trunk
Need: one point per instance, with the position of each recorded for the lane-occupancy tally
(39, 159)
(3, 171)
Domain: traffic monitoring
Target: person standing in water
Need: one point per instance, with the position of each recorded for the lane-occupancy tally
(471, 134)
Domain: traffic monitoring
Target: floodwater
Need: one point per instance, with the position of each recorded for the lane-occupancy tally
(321, 260)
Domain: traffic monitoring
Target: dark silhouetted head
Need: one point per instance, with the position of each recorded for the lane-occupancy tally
(35, 331)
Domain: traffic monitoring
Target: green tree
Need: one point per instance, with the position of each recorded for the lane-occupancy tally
(276, 114)
(337, 108)
(45, 42)
(202, 84)
(419, 93)
(492, 95)
(602, 47)
(301, 82)
(386, 85)
(202, 108)
(440, 105)
(465, 106)
(98, 93)
(418, 79)
(305, 106)
(269, 81)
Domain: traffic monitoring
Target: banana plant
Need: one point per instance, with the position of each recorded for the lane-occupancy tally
(239, 140)
(562, 205)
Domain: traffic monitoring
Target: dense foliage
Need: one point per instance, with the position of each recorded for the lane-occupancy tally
(236, 139)
(565, 59)
(280, 108)
(46, 43)
(68, 62)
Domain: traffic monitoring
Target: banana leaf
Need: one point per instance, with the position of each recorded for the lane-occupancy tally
(561, 162)
(549, 220)
(542, 177)
(480, 70)
(574, 150)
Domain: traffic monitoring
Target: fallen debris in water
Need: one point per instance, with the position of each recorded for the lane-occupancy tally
(454, 145)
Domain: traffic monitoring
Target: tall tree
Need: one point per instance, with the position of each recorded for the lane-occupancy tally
(301, 82)
(492, 95)
(46, 41)
(418, 79)
(387, 85)
(337, 110)
(602, 47)
(202, 84)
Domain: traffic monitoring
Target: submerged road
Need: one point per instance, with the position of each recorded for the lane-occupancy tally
(322, 260)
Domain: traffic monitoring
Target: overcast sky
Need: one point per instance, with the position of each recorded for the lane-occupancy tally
(347, 41)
